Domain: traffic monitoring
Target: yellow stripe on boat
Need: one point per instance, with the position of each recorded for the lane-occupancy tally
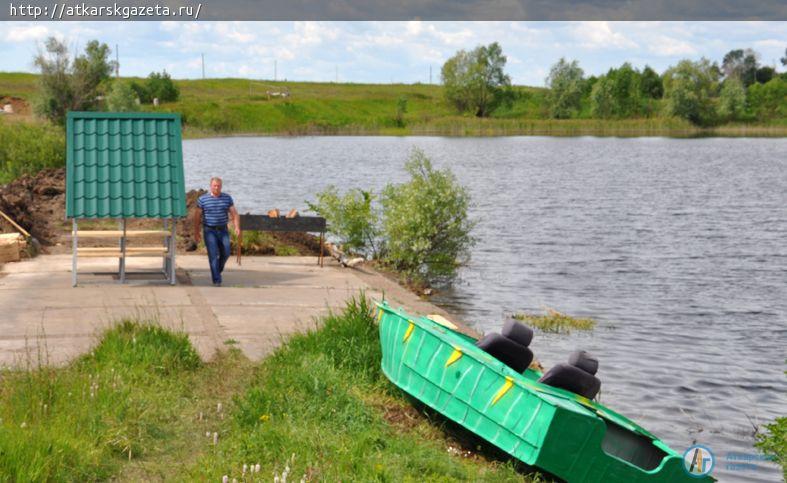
(503, 390)
(455, 355)
(379, 315)
(409, 331)
(439, 319)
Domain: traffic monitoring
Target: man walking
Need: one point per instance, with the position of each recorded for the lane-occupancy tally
(214, 213)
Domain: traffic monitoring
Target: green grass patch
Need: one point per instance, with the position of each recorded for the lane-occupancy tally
(321, 408)
(142, 406)
(27, 148)
(557, 322)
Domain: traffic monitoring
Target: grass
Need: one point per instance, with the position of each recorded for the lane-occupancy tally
(28, 148)
(211, 107)
(143, 406)
(556, 322)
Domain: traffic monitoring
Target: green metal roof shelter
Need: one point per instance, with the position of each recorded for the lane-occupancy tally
(125, 166)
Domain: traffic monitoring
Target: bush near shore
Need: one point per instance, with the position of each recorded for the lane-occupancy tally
(143, 406)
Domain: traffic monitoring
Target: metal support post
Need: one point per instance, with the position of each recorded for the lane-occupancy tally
(75, 252)
(123, 254)
(172, 227)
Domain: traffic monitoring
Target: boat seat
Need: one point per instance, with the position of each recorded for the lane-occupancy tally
(517, 331)
(511, 353)
(578, 376)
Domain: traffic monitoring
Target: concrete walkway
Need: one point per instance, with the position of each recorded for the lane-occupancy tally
(44, 319)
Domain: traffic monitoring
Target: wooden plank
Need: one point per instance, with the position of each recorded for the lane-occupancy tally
(9, 252)
(13, 223)
(282, 223)
(119, 233)
(128, 249)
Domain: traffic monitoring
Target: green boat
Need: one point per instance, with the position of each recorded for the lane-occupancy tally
(566, 435)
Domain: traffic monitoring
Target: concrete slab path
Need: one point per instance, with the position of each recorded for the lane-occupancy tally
(45, 320)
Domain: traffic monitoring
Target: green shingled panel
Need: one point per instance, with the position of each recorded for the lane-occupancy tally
(124, 165)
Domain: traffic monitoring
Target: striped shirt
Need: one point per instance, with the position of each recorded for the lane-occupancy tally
(215, 209)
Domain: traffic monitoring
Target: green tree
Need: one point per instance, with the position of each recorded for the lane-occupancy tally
(689, 88)
(160, 85)
(652, 85)
(602, 98)
(566, 84)
(67, 85)
(769, 101)
(765, 74)
(618, 93)
(425, 222)
(732, 100)
(141, 92)
(351, 217)
(475, 81)
(741, 64)
(121, 97)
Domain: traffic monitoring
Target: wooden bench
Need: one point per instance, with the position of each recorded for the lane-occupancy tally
(122, 251)
(299, 224)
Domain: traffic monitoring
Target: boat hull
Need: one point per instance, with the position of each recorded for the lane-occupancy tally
(554, 430)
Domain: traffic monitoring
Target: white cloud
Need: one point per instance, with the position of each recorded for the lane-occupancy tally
(600, 35)
(26, 33)
(671, 47)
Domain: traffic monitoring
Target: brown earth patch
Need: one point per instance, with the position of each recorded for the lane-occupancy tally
(20, 106)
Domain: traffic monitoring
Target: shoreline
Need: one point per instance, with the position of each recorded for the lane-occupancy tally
(764, 132)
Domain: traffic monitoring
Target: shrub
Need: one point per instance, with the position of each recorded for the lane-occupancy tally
(689, 88)
(401, 110)
(425, 222)
(769, 100)
(141, 92)
(351, 217)
(29, 148)
(161, 86)
(773, 442)
(732, 100)
(121, 98)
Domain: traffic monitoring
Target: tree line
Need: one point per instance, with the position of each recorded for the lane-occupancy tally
(702, 92)
(85, 83)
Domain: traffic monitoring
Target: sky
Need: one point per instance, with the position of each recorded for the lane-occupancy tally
(384, 52)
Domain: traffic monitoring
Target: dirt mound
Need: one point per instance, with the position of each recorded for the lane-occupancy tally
(18, 106)
(38, 204)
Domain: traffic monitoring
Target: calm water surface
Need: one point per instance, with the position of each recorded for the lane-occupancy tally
(677, 246)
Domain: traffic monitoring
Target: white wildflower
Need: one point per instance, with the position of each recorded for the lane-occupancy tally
(225, 479)
(215, 438)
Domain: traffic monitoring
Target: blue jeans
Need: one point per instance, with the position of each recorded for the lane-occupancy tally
(218, 244)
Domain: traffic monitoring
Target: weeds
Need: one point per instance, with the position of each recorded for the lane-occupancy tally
(557, 322)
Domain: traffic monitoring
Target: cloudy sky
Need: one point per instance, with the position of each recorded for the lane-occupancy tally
(389, 51)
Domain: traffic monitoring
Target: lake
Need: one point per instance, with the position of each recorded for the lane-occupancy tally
(678, 247)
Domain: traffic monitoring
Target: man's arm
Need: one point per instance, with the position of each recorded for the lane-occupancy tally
(235, 219)
(197, 224)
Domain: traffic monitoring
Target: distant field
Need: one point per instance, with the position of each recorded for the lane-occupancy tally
(214, 107)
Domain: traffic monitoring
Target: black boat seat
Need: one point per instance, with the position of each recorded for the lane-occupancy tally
(578, 376)
(511, 353)
(517, 331)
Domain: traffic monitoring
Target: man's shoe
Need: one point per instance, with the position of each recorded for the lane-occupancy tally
(217, 284)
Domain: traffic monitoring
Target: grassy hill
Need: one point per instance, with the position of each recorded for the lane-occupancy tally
(213, 107)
